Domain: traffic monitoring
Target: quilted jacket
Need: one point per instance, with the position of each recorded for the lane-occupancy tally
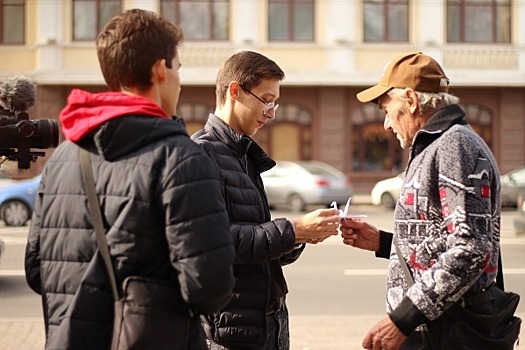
(262, 245)
(162, 208)
(447, 221)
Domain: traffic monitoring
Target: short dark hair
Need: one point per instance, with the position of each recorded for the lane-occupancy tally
(248, 68)
(131, 43)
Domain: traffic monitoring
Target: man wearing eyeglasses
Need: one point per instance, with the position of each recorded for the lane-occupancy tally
(247, 88)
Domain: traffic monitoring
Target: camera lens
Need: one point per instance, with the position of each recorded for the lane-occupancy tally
(46, 135)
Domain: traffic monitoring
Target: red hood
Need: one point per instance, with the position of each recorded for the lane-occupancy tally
(85, 111)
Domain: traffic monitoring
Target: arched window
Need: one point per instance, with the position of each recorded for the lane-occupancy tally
(373, 148)
(289, 136)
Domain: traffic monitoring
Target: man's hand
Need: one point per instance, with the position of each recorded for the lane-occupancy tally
(360, 234)
(316, 226)
(384, 336)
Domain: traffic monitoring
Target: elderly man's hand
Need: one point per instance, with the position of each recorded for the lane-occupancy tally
(384, 336)
(360, 234)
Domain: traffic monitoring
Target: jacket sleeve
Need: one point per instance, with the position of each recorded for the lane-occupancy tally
(267, 241)
(385, 244)
(197, 231)
(32, 253)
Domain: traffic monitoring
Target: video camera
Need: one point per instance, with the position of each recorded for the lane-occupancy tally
(18, 134)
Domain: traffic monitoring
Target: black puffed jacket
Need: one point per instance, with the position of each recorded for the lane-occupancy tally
(164, 217)
(262, 245)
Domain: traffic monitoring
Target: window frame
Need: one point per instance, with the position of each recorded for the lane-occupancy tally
(497, 9)
(3, 33)
(387, 5)
(99, 21)
(292, 19)
(213, 17)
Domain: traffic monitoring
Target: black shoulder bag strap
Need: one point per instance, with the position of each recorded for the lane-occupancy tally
(96, 217)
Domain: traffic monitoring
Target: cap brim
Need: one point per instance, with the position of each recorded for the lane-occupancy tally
(373, 93)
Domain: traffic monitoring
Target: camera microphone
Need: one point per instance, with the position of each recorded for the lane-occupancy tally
(19, 134)
(17, 94)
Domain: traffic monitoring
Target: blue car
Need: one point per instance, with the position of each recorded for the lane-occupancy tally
(17, 200)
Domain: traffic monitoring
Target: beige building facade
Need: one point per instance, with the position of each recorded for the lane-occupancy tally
(331, 50)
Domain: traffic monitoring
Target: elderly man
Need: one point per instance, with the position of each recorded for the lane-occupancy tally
(447, 221)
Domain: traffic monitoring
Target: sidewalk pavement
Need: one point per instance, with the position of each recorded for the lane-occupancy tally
(306, 332)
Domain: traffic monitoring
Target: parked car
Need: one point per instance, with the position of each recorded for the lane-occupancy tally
(301, 183)
(386, 192)
(17, 200)
(512, 183)
(2, 247)
(519, 221)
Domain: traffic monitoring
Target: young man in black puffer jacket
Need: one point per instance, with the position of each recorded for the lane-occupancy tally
(159, 193)
(247, 88)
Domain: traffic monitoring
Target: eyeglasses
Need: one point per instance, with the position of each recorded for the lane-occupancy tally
(269, 106)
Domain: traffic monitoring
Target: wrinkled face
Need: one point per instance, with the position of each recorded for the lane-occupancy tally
(249, 111)
(398, 119)
(171, 89)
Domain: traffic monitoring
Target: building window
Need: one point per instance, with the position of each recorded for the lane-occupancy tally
(195, 115)
(373, 148)
(385, 20)
(291, 20)
(90, 17)
(289, 136)
(480, 119)
(478, 21)
(199, 19)
(12, 22)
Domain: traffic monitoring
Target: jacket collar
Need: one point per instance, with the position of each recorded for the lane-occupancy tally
(438, 123)
(441, 121)
(240, 144)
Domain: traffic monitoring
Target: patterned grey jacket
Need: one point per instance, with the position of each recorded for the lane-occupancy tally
(447, 221)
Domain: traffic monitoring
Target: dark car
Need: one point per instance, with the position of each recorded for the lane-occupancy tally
(519, 221)
(300, 183)
(17, 200)
(512, 183)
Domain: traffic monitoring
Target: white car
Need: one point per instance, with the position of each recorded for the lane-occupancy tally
(386, 192)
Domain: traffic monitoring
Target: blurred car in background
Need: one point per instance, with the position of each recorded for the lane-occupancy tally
(386, 192)
(512, 183)
(300, 183)
(2, 247)
(17, 200)
(519, 221)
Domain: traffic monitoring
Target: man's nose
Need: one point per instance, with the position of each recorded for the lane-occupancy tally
(386, 125)
(270, 114)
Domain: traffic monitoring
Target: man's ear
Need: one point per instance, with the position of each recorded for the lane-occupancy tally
(234, 90)
(159, 71)
(412, 100)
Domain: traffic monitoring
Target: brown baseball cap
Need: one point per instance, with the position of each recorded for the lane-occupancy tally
(414, 70)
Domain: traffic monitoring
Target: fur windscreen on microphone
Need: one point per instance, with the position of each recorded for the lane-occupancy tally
(17, 94)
